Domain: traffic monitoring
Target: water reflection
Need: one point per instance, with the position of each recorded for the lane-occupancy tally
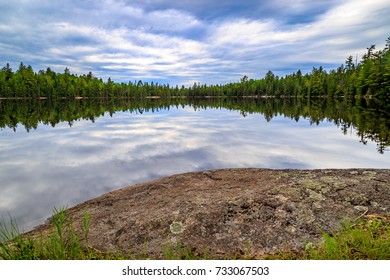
(42, 167)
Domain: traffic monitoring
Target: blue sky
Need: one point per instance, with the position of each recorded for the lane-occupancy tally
(182, 42)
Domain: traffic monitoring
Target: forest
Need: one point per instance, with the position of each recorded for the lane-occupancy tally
(368, 78)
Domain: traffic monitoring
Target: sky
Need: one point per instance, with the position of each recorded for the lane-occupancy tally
(187, 41)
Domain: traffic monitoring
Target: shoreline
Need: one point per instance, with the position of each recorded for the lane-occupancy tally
(226, 210)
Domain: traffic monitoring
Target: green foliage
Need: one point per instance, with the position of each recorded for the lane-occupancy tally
(62, 244)
(367, 240)
(362, 240)
(178, 252)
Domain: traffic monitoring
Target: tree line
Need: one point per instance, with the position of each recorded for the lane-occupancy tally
(368, 78)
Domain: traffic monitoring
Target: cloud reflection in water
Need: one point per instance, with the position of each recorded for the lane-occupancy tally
(62, 166)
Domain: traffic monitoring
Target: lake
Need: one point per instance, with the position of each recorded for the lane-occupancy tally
(60, 153)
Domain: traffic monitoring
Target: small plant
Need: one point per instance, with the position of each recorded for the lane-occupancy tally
(61, 244)
(86, 220)
(8, 233)
(12, 245)
(178, 252)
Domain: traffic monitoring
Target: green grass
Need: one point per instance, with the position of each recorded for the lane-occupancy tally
(361, 240)
(63, 244)
(366, 240)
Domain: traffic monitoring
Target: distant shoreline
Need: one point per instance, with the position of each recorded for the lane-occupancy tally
(182, 97)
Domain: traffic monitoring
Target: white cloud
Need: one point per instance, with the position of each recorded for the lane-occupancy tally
(124, 41)
(172, 20)
(301, 6)
(260, 45)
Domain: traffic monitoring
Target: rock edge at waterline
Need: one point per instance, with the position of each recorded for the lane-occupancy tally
(228, 212)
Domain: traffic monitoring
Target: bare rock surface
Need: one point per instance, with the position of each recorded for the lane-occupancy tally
(227, 211)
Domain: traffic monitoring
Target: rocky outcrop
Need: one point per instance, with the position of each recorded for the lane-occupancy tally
(228, 212)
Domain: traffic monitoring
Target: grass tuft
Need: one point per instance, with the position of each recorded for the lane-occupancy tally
(178, 252)
(63, 244)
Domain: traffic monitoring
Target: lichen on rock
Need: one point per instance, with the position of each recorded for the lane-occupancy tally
(177, 227)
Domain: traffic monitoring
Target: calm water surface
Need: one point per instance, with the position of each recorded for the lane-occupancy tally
(61, 166)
